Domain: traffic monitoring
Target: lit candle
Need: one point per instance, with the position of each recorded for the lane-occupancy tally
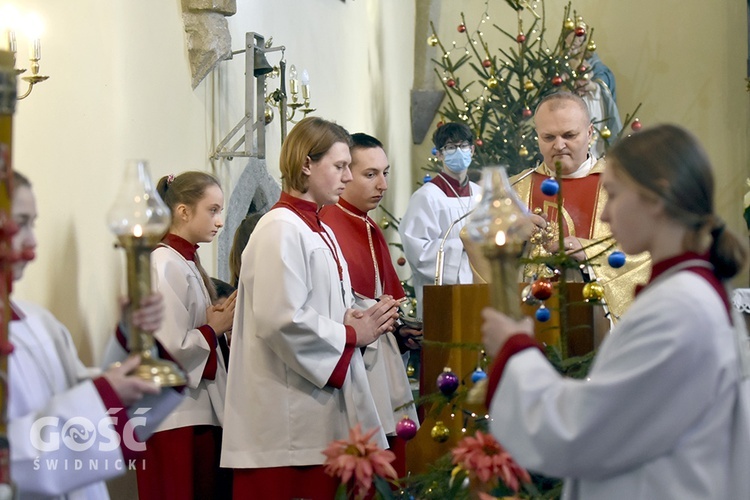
(293, 80)
(12, 41)
(34, 28)
(305, 79)
(9, 23)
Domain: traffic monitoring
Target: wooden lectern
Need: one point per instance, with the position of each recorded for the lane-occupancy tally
(452, 314)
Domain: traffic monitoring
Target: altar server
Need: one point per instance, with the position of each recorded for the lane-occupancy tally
(298, 380)
(665, 410)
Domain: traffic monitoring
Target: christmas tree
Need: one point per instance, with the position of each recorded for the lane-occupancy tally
(495, 92)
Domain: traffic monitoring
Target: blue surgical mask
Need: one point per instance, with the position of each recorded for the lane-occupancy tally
(457, 161)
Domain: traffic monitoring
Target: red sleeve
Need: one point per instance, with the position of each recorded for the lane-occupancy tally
(339, 373)
(209, 371)
(119, 418)
(121, 339)
(514, 345)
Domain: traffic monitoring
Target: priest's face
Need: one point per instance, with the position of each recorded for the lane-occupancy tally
(204, 220)
(327, 177)
(24, 215)
(564, 134)
(370, 171)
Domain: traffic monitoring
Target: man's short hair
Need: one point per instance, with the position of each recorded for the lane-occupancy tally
(559, 99)
(361, 140)
(452, 132)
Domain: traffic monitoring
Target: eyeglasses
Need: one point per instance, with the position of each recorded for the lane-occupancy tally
(451, 148)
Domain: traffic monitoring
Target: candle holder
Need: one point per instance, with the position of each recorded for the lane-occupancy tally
(501, 226)
(139, 219)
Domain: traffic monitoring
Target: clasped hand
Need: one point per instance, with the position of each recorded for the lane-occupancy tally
(371, 323)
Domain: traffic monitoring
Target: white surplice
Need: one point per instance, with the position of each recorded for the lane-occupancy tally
(664, 413)
(288, 336)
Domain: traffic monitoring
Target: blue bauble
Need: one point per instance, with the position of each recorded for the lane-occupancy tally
(478, 375)
(447, 382)
(427, 178)
(616, 259)
(543, 314)
(550, 187)
(434, 151)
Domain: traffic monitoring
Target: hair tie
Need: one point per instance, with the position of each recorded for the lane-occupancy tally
(170, 179)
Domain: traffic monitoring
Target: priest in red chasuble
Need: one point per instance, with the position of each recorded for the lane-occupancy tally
(372, 274)
(564, 130)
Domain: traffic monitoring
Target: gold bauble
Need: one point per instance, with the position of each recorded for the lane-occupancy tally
(410, 371)
(523, 152)
(591, 46)
(528, 85)
(492, 82)
(384, 223)
(432, 40)
(605, 132)
(593, 291)
(440, 432)
(569, 24)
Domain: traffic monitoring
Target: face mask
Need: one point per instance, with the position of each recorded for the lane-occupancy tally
(458, 161)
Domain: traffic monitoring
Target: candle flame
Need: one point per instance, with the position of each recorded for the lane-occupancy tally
(138, 231)
(500, 238)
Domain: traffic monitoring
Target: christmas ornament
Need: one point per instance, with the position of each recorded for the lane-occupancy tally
(432, 40)
(528, 85)
(582, 69)
(478, 375)
(401, 261)
(542, 314)
(557, 80)
(521, 38)
(384, 223)
(427, 178)
(527, 297)
(480, 142)
(593, 291)
(434, 151)
(492, 82)
(569, 24)
(447, 382)
(541, 289)
(636, 125)
(526, 112)
(580, 31)
(451, 82)
(410, 370)
(406, 428)
(486, 63)
(616, 259)
(523, 152)
(591, 46)
(550, 187)
(440, 432)
(461, 28)
(439, 124)
(466, 481)
(605, 133)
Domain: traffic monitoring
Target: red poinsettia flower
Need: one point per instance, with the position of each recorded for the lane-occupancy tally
(359, 458)
(483, 457)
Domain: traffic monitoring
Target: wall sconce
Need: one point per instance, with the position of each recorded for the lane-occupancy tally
(257, 117)
(31, 24)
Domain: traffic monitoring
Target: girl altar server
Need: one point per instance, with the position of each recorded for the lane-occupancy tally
(182, 459)
(665, 410)
(61, 420)
(298, 380)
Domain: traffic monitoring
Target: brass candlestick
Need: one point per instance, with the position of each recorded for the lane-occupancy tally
(139, 218)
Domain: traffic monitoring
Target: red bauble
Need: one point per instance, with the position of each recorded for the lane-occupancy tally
(582, 69)
(450, 82)
(636, 125)
(486, 63)
(521, 38)
(479, 143)
(461, 28)
(580, 31)
(406, 428)
(541, 289)
(557, 80)
(526, 113)
(401, 261)
(440, 124)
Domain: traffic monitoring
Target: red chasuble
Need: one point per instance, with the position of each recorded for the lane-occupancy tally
(580, 199)
(365, 250)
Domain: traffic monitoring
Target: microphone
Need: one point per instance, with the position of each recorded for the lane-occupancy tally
(440, 264)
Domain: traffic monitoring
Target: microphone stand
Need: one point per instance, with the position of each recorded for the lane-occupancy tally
(440, 261)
